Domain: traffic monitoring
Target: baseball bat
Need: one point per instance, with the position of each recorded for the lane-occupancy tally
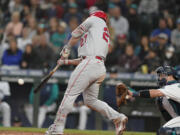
(45, 79)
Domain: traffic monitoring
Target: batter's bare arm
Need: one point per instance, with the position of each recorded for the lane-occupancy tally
(69, 62)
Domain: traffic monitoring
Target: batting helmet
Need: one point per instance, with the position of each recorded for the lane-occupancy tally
(100, 14)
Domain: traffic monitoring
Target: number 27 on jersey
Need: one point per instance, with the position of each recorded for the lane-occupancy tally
(105, 36)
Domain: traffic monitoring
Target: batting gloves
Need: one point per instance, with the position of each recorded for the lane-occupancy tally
(66, 51)
(63, 62)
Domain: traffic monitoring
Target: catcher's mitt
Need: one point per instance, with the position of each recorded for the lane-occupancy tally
(121, 93)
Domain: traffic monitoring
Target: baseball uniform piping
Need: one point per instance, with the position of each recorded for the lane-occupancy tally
(73, 84)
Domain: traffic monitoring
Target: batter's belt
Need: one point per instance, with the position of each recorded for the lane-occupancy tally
(97, 57)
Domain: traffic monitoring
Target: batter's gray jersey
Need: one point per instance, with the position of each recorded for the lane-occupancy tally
(94, 37)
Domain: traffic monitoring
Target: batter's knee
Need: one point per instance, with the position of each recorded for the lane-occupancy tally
(89, 101)
(92, 103)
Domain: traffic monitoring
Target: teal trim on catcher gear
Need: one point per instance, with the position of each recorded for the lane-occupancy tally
(131, 89)
(169, 131)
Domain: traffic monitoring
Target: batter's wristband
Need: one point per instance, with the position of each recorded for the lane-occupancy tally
(144, 93)
(66, 62)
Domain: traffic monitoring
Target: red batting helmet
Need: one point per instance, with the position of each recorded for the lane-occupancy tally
(100, 14)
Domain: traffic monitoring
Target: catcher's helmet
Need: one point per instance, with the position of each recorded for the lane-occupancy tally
(167, 71)
(100, 14)
(161, 80)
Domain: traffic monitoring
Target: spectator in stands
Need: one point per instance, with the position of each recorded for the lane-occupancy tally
(24, 40)
(41, 30)
(129, 62)
(175, 36)
(5, 109)
(29, 58)
(73, 23)
(45, 5)
(134, 23)
(15, 26)
(162, 45)
(169, 18)
(121, 43)
(53, 25)
(111, 7)
(170, 57)
(35, 41)
(58, 38)
(168, 6)
(15, 6)
(148, 7)
(55, 10)
(32, 25)
(122, 4)
(162, 29)
(118, 22)
(72, 12)
(117, 50)
(44, 53)
(152, 61)
(4, 12)
(48, 96)
(143, 49)
(26, 15)
(36, 11)
(13, 55)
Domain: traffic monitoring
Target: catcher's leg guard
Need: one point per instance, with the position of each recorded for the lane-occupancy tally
(166, 131)
(169, 131)
(177, 129)
(159, 103)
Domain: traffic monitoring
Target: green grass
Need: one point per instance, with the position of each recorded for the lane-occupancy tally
(71, 131)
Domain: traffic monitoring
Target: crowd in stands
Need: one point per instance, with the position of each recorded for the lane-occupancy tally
(144, 33)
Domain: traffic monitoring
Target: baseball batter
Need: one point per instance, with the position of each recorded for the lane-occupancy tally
(89, 73)
(170, 90)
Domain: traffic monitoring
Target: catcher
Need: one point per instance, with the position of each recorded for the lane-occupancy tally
(167, 78)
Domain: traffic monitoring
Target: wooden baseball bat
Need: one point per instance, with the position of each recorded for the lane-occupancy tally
(45, 79)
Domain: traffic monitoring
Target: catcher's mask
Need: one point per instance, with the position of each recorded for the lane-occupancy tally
(161, 76)
(163, 73)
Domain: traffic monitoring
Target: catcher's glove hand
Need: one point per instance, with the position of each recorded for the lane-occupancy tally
(121, 94)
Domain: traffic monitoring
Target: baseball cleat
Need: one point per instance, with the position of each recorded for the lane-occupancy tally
(120, 125)
(54, 130)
